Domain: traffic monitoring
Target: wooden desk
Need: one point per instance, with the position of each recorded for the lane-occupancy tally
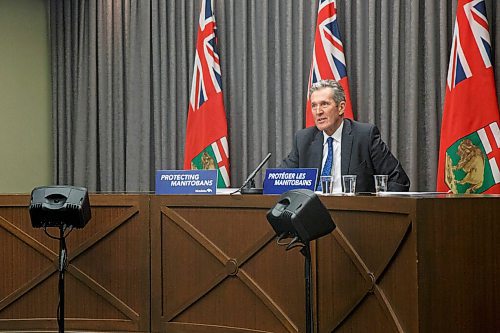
(209, 264)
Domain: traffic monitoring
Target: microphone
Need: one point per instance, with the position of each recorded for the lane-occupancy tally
(248, 186)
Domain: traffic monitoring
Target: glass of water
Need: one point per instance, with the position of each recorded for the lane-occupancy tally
(326, 184)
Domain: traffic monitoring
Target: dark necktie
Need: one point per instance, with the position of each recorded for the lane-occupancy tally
(327, 167)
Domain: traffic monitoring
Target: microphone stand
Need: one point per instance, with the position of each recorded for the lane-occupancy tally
(251, 189)
(248, 186)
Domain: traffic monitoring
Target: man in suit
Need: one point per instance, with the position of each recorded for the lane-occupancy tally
(355, 148)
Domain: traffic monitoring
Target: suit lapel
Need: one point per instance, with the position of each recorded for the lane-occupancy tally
(316, 151)
(345, 149)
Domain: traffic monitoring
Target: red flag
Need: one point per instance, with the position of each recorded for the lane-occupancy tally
(469, 151)
(328, 56)
(206, 133)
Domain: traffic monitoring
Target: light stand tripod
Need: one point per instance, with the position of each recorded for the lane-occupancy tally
(306, 251)
(63, 257)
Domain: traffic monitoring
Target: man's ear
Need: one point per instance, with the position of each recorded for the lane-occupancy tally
(341, 108)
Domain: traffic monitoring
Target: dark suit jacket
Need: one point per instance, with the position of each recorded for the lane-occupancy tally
(363, 153)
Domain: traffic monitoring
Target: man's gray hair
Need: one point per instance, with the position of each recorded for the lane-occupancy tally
(338, 92)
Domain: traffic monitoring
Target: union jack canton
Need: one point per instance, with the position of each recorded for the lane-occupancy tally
(328, 60)
(459, 69)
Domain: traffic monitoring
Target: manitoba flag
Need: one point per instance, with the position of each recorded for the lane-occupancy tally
(469, 153)
(206, 133)
(328, 61)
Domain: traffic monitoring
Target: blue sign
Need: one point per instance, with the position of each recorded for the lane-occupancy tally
(186, 181)
(278, 181)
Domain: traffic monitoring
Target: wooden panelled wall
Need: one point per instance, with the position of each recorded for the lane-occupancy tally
(147, 263)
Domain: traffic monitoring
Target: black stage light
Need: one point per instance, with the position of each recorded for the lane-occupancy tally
(55, 206)
(300, 213)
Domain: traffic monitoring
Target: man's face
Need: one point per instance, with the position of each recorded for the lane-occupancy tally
(326, 113)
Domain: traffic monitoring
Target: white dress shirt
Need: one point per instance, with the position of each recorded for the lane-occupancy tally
(337, 139)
